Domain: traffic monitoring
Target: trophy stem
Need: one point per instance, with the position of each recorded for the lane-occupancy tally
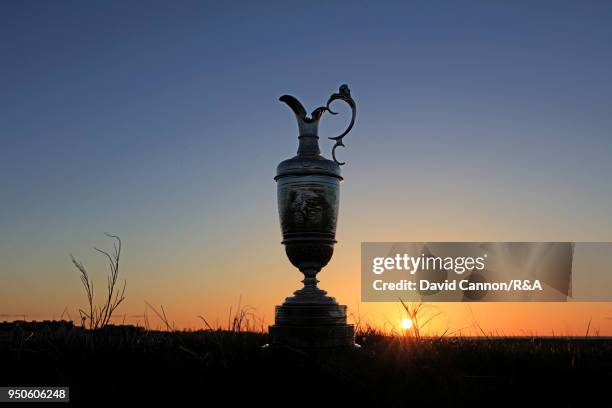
(310, 293)
(310, 290)
(310, 285)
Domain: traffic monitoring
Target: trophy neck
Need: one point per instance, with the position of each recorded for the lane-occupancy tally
(308, 145)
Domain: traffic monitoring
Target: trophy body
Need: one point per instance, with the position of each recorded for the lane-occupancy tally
(308, 193)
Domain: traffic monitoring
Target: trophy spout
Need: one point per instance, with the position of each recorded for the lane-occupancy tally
(308, 127)
(295, 105)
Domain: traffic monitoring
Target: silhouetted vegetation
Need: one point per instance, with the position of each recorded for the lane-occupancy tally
(99, 316)
(123, 363)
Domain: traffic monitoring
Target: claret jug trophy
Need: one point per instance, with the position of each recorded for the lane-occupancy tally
(308, 193)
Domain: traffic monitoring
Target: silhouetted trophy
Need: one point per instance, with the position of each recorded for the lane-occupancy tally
(308, 198)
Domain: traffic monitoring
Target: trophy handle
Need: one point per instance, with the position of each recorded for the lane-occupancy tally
(344, 94)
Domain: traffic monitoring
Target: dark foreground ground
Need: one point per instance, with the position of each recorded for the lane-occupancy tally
(126, 364)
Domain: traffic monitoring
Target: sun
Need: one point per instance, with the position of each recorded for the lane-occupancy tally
(406, 324)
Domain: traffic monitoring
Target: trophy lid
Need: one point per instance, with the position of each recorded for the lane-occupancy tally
(301, 165)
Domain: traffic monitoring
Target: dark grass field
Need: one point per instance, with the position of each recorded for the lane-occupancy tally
(125, 363)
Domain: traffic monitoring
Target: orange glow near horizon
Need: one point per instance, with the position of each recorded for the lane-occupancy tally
(256, 281)
(453, 319)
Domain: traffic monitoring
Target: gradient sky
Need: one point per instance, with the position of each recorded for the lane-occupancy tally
(159, 122)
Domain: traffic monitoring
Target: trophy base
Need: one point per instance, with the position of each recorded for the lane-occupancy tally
(312, 326)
